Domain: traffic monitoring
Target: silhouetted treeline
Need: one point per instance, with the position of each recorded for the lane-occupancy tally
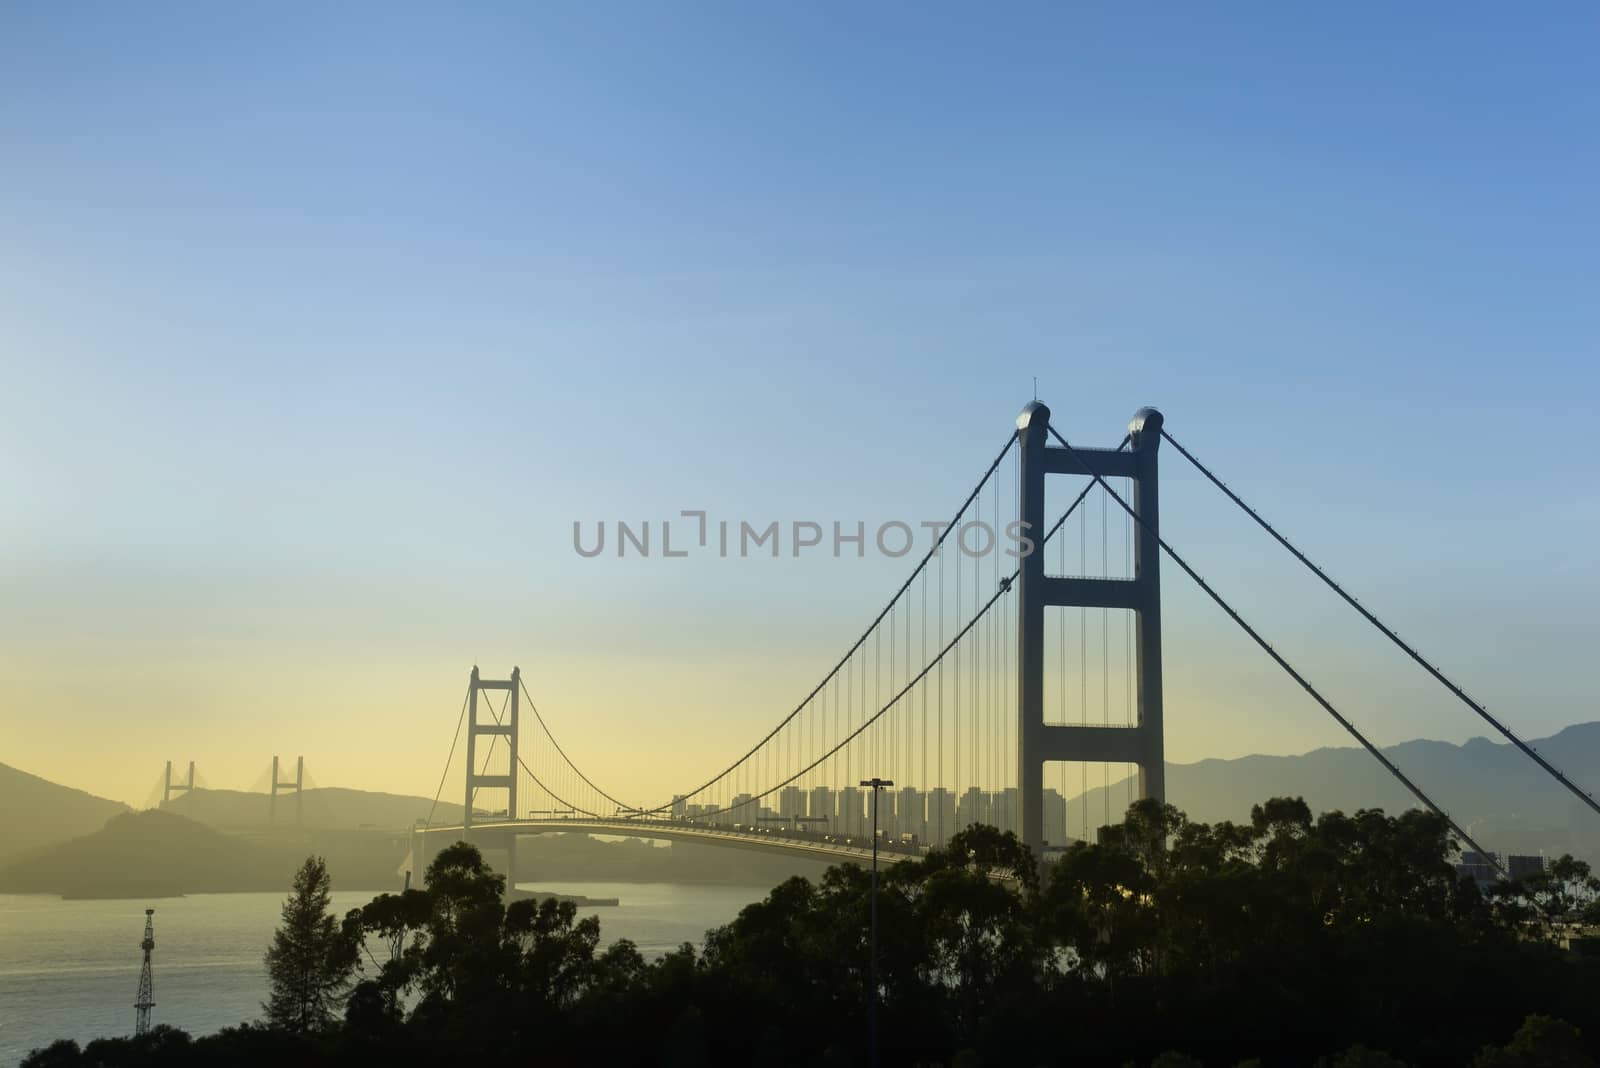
(1291, 940)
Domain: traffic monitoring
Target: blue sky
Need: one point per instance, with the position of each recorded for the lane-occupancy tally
(320, 327)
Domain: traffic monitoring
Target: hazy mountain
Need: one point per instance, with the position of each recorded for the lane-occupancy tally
(1500, 796)
(39, 812)
(152, 853)
(146, 854)
(329, 808)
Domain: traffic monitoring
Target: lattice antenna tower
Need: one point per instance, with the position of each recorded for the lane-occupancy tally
(147, 989)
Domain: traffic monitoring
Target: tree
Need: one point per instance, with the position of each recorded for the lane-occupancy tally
(391, 923)
(1541, 1042)
(1563, 892)
(311, 958)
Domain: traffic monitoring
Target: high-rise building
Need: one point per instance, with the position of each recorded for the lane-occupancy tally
(823, 805)
(850, 812)
(1003, 809)
(1055, 818)
(941, 815)
(1521, 865)
(1479, 866)
(972, 808)
(885, 814)
(791, 802)
(910, 817)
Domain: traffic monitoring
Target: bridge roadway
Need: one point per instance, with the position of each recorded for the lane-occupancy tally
(824, 847)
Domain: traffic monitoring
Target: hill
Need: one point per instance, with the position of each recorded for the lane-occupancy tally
(40, 812)
(322, 808)
(1500, 796)
(155, 854)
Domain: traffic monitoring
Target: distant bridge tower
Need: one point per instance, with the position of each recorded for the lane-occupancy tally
(147, 986)
(296, 784)
(169, 788)
(1039, 742)
(506, 728)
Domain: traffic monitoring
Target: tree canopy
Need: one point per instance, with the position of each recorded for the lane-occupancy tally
(1340, 939)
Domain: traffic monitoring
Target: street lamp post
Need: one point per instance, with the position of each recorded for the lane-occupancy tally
(872, 995)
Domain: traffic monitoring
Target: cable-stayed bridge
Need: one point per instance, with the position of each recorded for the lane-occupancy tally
(1020, 659)
(180, 792)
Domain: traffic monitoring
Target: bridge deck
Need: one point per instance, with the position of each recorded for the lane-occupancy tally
(815, 846)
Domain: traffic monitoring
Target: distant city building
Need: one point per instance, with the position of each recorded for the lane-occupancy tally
(850, 811)
(973, 808)
(822, 805)
(1055, 818)
(910, 813)
(1484, 868)
(886, 813)
(941, 815)
(791, 802)
(1003, 809)
(1520, 866)
(1480, 867)
(679, 807)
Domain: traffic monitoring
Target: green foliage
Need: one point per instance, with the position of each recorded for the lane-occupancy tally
(1174, 1059)
(1564, 892)
(1541, 1042)
(311, 957)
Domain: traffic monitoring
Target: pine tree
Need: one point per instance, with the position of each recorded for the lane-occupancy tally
(311, 959)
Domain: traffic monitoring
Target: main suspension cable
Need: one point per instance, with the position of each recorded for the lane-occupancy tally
(1255, 636)
(563, 752)
(553, 795)
(447, 760)
(1439, 676)
(871, 627)
(1003, 588)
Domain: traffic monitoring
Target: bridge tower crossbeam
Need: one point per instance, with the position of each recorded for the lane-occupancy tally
(1039, 742)
(170, 788)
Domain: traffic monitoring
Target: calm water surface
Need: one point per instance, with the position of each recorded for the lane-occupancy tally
(70, 969)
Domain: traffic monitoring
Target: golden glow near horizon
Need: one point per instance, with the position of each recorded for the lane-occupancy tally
(643, 718)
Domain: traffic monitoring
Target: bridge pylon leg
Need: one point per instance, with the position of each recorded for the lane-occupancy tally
(1038, 742)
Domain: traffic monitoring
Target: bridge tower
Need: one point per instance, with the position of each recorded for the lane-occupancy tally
(506, 728)
(169, 788)
(1037, 741)
(295, 784)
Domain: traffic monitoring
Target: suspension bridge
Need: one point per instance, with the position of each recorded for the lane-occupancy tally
(1020, 660)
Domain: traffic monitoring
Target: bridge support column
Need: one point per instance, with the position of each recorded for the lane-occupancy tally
(506, 728)
(1037, 741)
(297, 784)
(1033, 427)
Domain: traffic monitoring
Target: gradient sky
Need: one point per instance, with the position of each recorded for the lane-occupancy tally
(319, 327)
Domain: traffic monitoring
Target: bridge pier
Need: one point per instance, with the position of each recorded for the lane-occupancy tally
(1037, 741)
(498, 844)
